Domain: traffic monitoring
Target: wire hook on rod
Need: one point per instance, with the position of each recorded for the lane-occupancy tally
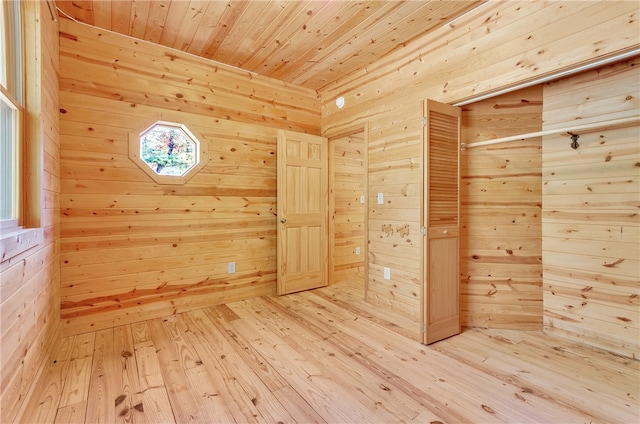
(574, 141)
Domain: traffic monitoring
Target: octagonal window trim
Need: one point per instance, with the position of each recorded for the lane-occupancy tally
(165, 143)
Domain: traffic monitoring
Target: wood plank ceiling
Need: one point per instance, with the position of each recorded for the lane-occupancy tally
(309, 43)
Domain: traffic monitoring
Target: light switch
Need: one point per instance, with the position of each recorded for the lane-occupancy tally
(362, 199)
(357, 250)
(380, 198)
(387, 273)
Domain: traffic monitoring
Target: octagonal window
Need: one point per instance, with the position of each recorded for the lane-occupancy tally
(168, 152)
(169, 149)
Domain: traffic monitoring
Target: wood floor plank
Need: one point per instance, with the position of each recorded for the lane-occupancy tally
(366, 340)
(155, 399)
(185, 407)
(326, 356)
(76, 388)
(304, 374)
(214, 406)
(203, 335)
(72, 414)
(446, 379)
(594, 392)
(311, 311)
(300, 410)
(252, 380)
(221, 316)
(43, 405)
(140, 334)
(103, 385)
(175, 329)
(376, 392)
(128, 402)
(353, 299)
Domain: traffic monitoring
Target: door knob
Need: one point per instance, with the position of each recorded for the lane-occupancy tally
(283, 220)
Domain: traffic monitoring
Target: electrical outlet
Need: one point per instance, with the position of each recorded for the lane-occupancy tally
(387, 273)
(357, 250)
(231, 267)
(380, 198)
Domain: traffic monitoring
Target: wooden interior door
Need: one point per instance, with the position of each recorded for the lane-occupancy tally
(441, 292)
(302, 212)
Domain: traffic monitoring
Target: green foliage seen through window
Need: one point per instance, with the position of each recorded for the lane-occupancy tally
(168, 150)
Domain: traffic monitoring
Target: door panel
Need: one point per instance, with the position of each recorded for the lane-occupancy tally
(442, 204)
(302, 212)
(443, 309)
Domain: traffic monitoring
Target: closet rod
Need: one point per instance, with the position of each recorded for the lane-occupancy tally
(567, 130)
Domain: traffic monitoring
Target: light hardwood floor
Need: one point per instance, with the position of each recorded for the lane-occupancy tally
(314, 357)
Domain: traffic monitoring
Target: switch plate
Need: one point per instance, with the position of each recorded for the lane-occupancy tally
(380, 198)
(231, 267)
(357, 250)
(362, 199)
(387, 273)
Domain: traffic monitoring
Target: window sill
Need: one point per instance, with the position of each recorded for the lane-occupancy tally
(18, 240)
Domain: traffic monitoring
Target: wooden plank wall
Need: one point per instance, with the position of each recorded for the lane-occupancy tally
(394, 153)
(348, 183)
(112, 66)
(591, 216)
(497, 45)
(500, 213)
(132, 249)
(30, 282)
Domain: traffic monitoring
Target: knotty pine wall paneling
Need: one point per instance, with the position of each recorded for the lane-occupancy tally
(394, 224)
(132, 249)
(104, 64)
(30, 282)
(501, 213)
(498, 45)
(591, 211)
(347, 226)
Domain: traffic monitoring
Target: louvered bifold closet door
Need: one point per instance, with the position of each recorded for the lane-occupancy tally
(442, 221)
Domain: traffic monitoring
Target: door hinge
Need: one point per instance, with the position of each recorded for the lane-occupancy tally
(423, 231)
(424, 121)
(423, 327)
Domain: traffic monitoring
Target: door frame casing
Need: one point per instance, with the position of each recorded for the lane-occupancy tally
(363, 129)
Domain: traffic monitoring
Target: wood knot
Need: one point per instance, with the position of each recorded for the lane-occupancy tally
(488, 409)
(613, 264)
(120, 399)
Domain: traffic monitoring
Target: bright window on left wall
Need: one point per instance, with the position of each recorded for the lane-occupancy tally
(15, 238)
(11, 108)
